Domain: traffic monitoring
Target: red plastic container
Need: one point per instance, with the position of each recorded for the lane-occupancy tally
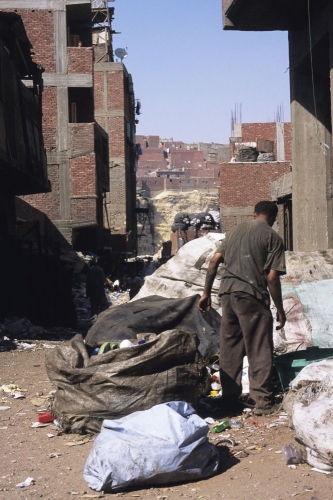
(45, 417)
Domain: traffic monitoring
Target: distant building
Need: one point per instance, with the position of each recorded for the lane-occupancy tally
(167, 165)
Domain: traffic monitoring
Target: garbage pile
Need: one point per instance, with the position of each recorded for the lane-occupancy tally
(202, 220)
(184, 275)
(166, 366)
(307, 289)
(310, 408)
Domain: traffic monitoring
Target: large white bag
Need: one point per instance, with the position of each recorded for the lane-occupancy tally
(310, 408)
(165, 444)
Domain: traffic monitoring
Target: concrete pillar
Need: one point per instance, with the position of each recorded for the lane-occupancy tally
(310, 164)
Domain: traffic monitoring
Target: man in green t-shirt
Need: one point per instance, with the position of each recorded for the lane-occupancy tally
(253, 258)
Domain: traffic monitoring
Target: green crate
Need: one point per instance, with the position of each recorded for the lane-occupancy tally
(289, 365)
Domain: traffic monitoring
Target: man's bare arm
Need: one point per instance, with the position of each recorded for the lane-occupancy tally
(274, 286)
(205, 300)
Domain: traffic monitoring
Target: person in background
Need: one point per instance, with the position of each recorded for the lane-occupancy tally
(134, 285)
(96, 281)
(254, 260)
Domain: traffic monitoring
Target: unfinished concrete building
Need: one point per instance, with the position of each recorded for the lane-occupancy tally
(311, 69)
(77, 147)
(116, 110)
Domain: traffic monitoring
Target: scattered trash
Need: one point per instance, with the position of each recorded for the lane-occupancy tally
(50, 435)
(327, 472)
(54, 455)
(236, 425)
(4, 408)
(12, 389)
(28, 482)
(40, 401)
(126, 343)
(292, 466)
(38, 424)
(241, 454)
(209, 420)
(225, 424)
(292, 455)
(78, 443)
(17, 395)
(45, 417)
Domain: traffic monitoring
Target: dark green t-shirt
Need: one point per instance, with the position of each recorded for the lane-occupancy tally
(251, 249)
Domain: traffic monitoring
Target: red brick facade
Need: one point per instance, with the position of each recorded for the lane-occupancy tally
(80, 60)
(39, 25)
(77, 185)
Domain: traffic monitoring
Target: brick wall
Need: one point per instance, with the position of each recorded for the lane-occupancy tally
(83, 176)
(200, 172)
(83, 210)
(99, 91)
(153, 141)
(117, 136)
(179, 158)
(151, 154)
(81, 136)
(47, 202)
(39, 25)
(115, 90)
(117, 198)
(50, 118)
(243, 184)
(251, 132)
(80, 60)
(287, 140)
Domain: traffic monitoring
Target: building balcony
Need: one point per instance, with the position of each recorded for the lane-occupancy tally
(81, 138)
(264, 15)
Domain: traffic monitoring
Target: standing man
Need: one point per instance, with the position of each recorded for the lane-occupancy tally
(96, 281)
(253, 257)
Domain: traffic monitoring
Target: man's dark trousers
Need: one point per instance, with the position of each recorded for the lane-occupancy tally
(246, 329)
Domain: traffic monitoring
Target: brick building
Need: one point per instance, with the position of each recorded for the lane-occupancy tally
(168, 165)
(309, 192)
(115, 111)
(77, 147)
(243, 184)
(32, 285)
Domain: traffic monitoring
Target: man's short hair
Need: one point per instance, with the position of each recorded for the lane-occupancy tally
(266, 207)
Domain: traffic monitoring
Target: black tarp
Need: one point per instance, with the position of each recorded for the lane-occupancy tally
(122, 381)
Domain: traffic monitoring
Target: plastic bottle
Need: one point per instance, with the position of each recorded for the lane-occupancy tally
(292, 455)
(235, 424)
(221, 426)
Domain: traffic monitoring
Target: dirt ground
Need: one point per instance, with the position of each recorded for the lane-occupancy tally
(56, 463)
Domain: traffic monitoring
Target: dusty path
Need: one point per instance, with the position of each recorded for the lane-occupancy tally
(27, 452)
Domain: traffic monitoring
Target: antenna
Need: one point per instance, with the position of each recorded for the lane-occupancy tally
(121, 53)
(97, 4)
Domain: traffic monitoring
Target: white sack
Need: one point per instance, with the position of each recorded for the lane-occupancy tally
(311, 412)
(184, 274)
(163, 445)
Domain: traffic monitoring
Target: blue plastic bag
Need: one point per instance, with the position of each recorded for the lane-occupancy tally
(165, 444)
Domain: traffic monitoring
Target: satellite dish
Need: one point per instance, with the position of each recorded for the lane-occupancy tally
(121, 53)
(97, 4)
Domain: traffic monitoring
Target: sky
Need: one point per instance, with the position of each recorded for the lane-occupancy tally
(189, 74)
